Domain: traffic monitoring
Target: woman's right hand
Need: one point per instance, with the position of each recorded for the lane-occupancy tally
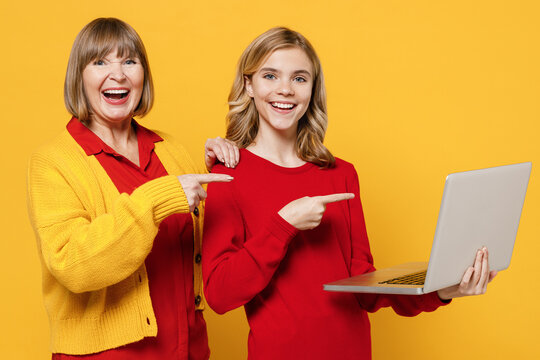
(306, 213)
(192, 185)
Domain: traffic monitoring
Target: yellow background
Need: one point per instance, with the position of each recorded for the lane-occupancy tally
(416, 89)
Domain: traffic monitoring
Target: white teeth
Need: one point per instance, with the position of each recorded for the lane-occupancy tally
(282, 106)
(115, 91)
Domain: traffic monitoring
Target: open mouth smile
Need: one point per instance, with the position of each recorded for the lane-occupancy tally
(282, 106)
(115, 96)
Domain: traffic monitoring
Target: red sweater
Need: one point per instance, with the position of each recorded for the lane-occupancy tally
(252, 257)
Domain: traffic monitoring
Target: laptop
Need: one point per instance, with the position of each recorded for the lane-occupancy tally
(479, 208)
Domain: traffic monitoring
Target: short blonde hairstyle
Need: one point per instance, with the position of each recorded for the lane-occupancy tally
(243, 118)
(96, 40)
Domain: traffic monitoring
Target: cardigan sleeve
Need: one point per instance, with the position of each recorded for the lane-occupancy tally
(236, 267)
(362, 262)
(87, 251)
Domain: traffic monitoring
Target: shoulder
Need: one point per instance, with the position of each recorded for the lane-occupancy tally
(241, 178)
(168, 140)
(344, 167)
(245, 166)
(345, 172)
(62, 148)
(164, 135)
(60, 161)
(343, 164)
(222, 169)
(170, 149)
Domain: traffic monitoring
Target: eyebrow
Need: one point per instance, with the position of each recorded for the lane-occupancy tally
(296, 72)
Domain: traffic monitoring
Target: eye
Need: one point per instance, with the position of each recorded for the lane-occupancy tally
(299, 79)
(130, 62)
(269, 76)
(99, 62)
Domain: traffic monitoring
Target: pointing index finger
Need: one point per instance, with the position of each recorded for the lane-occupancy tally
(327, 199)
(210, 178)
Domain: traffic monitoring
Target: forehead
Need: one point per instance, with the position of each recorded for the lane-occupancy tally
(100, 44)
(115, 54)
(288, 60)
(118, 49)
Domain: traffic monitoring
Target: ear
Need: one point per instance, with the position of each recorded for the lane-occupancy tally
(248, 85)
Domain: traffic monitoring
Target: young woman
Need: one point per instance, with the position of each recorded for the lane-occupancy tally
(293, 218)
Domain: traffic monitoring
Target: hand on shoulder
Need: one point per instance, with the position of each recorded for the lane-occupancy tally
(222, 150)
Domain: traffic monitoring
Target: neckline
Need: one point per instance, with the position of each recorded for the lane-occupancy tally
(269, 164)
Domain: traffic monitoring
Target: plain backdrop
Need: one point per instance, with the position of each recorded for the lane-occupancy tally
(416, 89)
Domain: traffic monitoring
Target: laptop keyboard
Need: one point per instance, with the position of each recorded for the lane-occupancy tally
(411, 279)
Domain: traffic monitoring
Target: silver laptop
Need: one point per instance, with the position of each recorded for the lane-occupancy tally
(479, 208)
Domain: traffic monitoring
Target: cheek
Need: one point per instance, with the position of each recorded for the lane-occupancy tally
(91, 82)
(305, 95)
(140, 82)
(260, 90)
(259, 104)
(259, 97)
(87, 84)
(138, 78)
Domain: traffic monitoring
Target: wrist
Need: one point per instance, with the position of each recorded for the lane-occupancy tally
(444, 296)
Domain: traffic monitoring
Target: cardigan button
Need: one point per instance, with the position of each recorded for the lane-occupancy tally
(196, 211)
(198, 300)
(198, 258)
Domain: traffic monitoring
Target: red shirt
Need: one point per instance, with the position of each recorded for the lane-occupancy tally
(253, 257)
(181, 329)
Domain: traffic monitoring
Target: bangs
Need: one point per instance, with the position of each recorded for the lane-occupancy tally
(95, 41)
(277, 39)
(107, 37)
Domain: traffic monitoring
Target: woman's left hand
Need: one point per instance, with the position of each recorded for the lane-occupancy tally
(223, 150)
(474, 281)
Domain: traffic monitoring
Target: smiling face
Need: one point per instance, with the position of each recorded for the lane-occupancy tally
(281, 89)
(113, 87)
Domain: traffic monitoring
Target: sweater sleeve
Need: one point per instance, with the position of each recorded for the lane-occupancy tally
(237, 267)
(362, 262)
(85, 250)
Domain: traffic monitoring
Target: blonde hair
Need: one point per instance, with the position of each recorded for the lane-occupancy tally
(243, 118)
(96, 40)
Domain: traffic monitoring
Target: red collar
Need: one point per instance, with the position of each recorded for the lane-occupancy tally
(93, 145)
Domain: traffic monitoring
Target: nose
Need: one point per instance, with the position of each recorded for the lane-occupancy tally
(285, 88)
(116, 71)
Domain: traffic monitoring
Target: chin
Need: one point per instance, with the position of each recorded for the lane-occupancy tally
(284, 126)
(120, 117)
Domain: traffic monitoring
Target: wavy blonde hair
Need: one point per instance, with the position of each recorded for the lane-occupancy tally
(243, 118)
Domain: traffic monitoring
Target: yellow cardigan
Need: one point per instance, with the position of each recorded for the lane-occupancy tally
(93, 241)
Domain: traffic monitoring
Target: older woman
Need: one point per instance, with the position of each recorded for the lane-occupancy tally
(115, 208)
